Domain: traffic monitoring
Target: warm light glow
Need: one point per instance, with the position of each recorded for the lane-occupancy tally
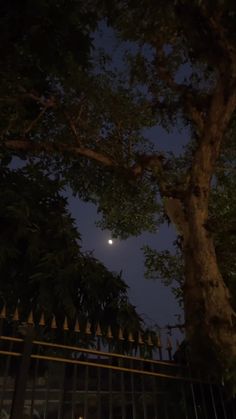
(110, 241)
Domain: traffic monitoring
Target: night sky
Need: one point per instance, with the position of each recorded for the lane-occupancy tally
(153, 301)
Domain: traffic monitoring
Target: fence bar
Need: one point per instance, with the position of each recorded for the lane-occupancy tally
(33, 386)
(74, 387)
(45, 413)
(110, 392)
(9, 353)
(213, 402)
(62, 393)
(86, 391)
(122, 382)
(99, 394)
(222, 402)
(114, 386)
(143, 397)
(154, 395)
(21, 379)
(134, 409)
(203, 404)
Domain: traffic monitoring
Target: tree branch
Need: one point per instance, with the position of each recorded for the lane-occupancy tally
(23, 145)
(188, 97)
(220, 37)
(35, 121)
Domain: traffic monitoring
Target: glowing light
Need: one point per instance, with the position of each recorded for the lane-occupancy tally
(110, 242)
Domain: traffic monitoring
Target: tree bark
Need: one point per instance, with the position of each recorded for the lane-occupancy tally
(210, 319)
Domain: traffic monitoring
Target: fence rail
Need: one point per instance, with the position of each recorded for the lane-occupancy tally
(62, 376)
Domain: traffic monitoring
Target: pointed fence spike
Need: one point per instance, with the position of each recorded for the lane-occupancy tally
(169, 348)
(159, 345)
(98, 330)
(3, 313)
(65, 324)
(120, 334)
(88, 328)
(140, 339)
(130, 337)
(16, 315)
(53, 323)
(30, 319)
(42, 320)
(169, 343)
(77, 326)
(109, 333)
(149, 340)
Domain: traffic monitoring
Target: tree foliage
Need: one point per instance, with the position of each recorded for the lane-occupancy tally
(42, 266)
(179, 70)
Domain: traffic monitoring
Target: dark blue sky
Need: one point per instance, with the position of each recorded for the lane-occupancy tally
(154, 301)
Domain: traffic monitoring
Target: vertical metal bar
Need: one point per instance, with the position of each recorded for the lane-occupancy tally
(143, 395)
(154, 393)
(86, 391)
(166, 409)
(222, 402)
(61, 393)
(191, 386)
(134, 409)
(7, 366)
(184, 400)
(203, 404)
(123, 410)
(74, 388)
(194, 401)
(21, 379)
(34, 380)
(213, 402)
(45, 413)
(99, 391)
(233, 405)
(110, 378)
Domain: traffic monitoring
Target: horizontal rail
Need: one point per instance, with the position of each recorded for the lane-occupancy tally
(105, 366)
(96, 352)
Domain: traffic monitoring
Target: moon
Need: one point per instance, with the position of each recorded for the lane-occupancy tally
(110, 242)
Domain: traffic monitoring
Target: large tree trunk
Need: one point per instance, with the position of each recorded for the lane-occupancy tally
(210, 319)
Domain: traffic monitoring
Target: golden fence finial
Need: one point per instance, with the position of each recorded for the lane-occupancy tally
(130, 337)
(42, 320)
(140, 339)
(15, 317)
(98, 330)
(77, 326)
(65, 324)
(169, 344)
(109, 333)
(120, 334)
(159, 345)
(88, 328)
(149, 340)
(3, 313)
(53, 323)
(30, 319)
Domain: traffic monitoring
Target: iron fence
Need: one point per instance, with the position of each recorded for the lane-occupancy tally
(86, 375)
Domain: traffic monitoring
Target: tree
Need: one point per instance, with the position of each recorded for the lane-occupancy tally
(169, 265)
(180, 70)
(42, 266)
